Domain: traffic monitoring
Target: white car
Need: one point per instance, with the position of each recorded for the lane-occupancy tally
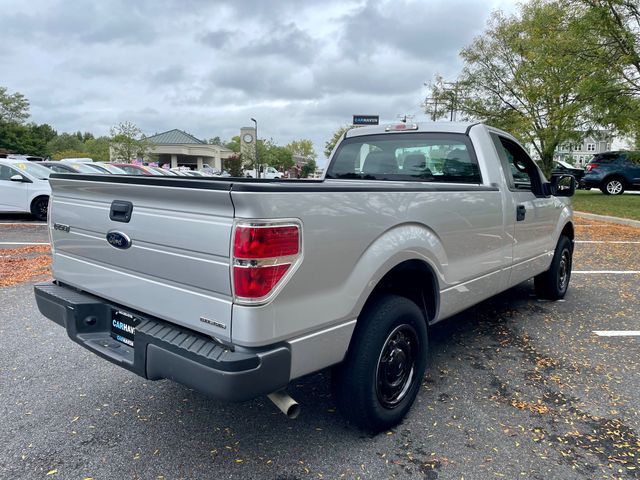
(24, 187)
(266, 172)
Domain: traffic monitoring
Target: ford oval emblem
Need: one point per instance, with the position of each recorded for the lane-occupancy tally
(118, 240)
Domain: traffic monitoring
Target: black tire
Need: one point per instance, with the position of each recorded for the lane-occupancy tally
(553, 283)
(613, 186)
(371, 392)
(39, 208)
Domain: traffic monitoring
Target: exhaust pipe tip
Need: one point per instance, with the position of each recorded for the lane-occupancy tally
(285, 403)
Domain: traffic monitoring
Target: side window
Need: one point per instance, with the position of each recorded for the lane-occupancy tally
(7, 172)
(521, 172)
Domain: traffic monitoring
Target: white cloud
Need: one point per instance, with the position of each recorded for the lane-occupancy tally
(301, 68)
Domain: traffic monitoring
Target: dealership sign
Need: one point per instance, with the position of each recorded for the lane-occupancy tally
(366, 119)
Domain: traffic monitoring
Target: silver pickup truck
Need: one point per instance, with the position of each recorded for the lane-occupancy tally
(235, 287)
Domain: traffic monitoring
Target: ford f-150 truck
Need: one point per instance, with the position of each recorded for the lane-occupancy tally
(235, 287)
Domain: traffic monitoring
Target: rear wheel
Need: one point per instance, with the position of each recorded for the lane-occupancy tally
(378, 382)
(40, 207)
(553, 283)
(613, 186)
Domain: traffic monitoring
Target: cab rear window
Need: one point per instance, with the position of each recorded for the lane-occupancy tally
(420, 157)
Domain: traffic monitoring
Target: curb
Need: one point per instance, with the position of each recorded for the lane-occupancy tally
(607, 218)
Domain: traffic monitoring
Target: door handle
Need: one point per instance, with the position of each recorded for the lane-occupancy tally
(520, 213)
(120, 211)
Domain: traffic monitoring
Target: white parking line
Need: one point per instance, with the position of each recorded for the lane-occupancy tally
(24, 243)
(21, 223)
(617, 333)
(617, 272)
(607, 241)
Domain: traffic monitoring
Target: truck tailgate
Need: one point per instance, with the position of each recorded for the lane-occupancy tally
(177, 265)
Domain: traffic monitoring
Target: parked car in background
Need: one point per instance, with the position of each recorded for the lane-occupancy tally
(24, 187)
(265, 172)
(132, 169)
(58, 167)
(109, 168)
(613, 172)
(73, 167)
(564, 168)
(160, 171)
(28, 158)
(77, 160)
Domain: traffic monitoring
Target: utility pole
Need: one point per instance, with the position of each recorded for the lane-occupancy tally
(256, 164)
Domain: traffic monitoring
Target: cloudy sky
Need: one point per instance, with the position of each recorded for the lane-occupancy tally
(301, 68)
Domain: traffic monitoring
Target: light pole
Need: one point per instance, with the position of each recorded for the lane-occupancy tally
(255, 164)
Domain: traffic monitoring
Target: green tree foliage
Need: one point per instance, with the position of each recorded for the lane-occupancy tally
(525, 74)
(303, 148)
(308, 169)
(233, 144)
(29, 139)
(330, 145)
(64, 142)
(274, 155)
(128, 143)
(14, 108)
(617, 24)
(97, 148)
(70, 154)
(215, 141)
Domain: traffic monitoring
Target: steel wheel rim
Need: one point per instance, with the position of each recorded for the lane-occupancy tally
(396, 365)
(563, 270)
(614, 187)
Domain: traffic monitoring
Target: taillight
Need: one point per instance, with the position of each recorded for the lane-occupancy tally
(264, 253)
(592, 166)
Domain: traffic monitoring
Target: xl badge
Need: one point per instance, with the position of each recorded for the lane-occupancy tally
(118, 240)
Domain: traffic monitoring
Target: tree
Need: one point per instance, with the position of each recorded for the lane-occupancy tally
(14, 108)
(303, 148)
(617, 23)
(97, 148)
(233, 144)
(273, 155)
(29, 139)
(64, 142)
(329, 146)
(128, 143)
(233, 165)
(215, 141)
(70, 154)
(308, 169)
(524, 74)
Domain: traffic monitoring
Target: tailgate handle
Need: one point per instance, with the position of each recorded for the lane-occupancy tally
(120, 211)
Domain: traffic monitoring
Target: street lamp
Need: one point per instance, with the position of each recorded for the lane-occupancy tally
(255, 164)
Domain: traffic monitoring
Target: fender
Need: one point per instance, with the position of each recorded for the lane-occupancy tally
(408, 241)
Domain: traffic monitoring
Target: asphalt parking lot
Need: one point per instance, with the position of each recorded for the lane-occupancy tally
(516, 388)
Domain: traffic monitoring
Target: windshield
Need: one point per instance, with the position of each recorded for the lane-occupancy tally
(33, 169)
(423, 157)
(82, 168)
(113, 169)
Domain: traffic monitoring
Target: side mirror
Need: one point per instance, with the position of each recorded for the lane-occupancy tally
(562, 185)
(19, 178)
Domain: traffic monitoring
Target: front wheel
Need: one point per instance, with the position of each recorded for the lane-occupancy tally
(613, 186)
(40, 207)
(378, 382)
(553, 283)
